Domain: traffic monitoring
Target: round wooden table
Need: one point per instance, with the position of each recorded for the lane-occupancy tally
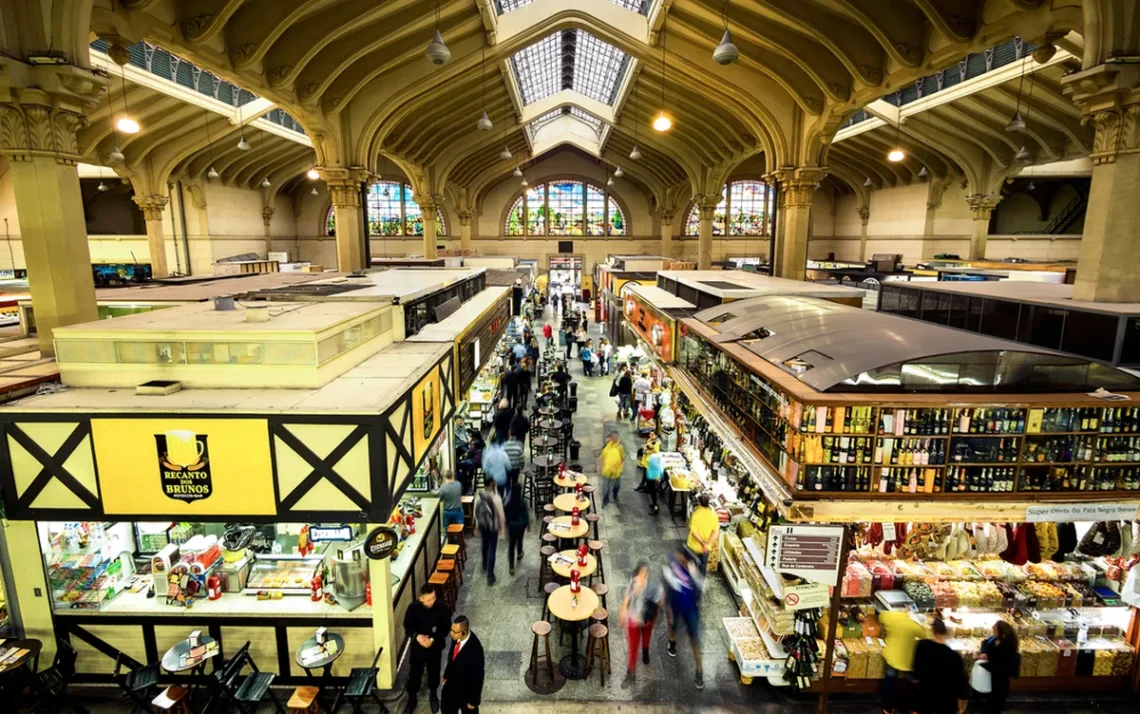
(545, 461)
(324, 663)
(547, 411)
(569, 531)
(178, 659)
(570, 479)
(560, 566)
(549, 424)
(541, 442)
(567, 501)
(560, 603)
(30, 656)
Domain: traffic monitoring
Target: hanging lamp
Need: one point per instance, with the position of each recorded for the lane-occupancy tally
(265, 182)
(517, 173)
(314, 191)
(102, 186)
(126, 124)
(897, 154)
(437, 52)
(484, 123)
(725, 52)
(618, 172)
(1016, 125)
(313, 174)
(116, 155)
(506, 154)
(212, 173)
(662, 122)
(635, 154)
(923, 173)
(869, 183)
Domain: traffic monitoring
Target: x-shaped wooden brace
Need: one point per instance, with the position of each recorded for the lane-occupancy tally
(52, 465)
(322, 468)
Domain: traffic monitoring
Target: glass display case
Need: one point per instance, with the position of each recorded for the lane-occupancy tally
(286, 574)
(88, 563)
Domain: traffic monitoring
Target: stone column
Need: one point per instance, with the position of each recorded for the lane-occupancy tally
(39, 141)
(706, 207)
(982, 206)
(666, 220)
(797, 186)
(153, 208)
(465, 217)
(1109, 98)
(344, 188)
(429, 205)
(864, 218)
(267, 220)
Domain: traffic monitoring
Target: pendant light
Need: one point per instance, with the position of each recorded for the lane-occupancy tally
(1025, 155)
(126, 124)
(265, 182)
(506, 154)
(725, 52)
(437, 52)
(314, 191)
(517, 173)
(1032, 186)
(923, 173)
(1016, 125)
(484, 123)
(523, 183)
(116, 155)
(662, 122)
(869, 183)
(618, 172)
(635, 154)
(242, 144)
(610, 181)
(313, 174)
(212, 173)
(897, 154)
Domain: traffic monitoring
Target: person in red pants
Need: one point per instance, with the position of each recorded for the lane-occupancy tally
(639, 609)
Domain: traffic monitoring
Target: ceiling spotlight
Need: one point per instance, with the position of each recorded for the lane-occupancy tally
(1024, 156)
(869, 183)
(437, 52)
(484, 123)
(523, 182)
(242, 144)
(618, 172)
(662, 123)
(635, 154)
(1031, 186)
(116, 155)
(127, 125)
(314, 191)
(726, 52)
(818, 185)
(212, 173)
(313, 174)
(505, 154)
(517, 172)
(896, 155)
(923, 173)
(265, 182)
(102, 186)
(1016, 125)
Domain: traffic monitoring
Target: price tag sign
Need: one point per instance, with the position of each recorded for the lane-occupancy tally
(809, 552)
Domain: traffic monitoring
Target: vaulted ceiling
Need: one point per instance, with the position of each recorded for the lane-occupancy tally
(595, 72)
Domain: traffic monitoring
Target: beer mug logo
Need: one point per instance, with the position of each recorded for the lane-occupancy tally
(184, 465)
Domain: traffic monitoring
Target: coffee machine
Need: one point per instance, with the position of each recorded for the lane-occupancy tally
(350, 575)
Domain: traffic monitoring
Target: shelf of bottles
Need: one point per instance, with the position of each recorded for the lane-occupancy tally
(929, 450)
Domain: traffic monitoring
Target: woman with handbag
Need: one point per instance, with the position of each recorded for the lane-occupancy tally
(1000, 658)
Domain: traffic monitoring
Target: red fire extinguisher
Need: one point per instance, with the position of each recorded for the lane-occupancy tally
(318, 593)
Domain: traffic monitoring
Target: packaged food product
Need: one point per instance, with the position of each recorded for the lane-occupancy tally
(1067, 660)
(856, 658)
(856, 580)
(875, 662)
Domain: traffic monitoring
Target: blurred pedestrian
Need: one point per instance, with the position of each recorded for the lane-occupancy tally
(548, 333)
(684, 583)
(518, 520)
(704, 528)
(496, 463)
(643, 599)
(587, 355)
(490, 519)
(611, 463)
(901, 634)
(1001, 657)
(938, 671)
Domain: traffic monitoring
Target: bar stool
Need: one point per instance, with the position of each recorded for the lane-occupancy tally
(468, 505)
(440, 580)
(596, 547)
(593, 519)
(541, 630)
(455, 534)
(601, 590)
(600, 616)
(304, 700)
(450, 551)
(174, 697)
(599, 643)
(544, 553)
(448, 565)
(588, 492)
(548, 590)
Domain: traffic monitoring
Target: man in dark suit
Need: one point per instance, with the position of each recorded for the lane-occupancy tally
(463, 677)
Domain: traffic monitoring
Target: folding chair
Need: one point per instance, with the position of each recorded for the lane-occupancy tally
(362, 685)
(137, 682)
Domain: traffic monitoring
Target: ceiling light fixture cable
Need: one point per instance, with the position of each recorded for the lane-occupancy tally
(1016, 125)
(212, 173)
(1025, 155)
(126, 124)
(725, 52)
(437, 52)
(242, 144)
(484, 123)
(897, 154)
(635, 154)
(116, 155)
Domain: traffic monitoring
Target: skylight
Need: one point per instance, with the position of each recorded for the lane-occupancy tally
(589, 119)
(544, 119)
(594, 122)
(570, 59)
(638, 6)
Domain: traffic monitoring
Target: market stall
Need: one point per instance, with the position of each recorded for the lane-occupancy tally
(948, 501)
(649, 319)
(612, 275)
(136, 516)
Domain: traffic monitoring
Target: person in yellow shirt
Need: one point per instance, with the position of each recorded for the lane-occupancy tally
(611, 463)
(704, 527)
(902, 635)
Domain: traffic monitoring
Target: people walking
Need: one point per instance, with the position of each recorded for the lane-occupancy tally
(502, 420)
(1001, 657)
(490, 519)
(587, 355)
(517, 518)
(463, 678)
(704, 528)
(901, 634)
(426, 622)
(607, 356)
(938, 672)
(654, 472)
(496, 463)
(611, 463)
(684, 583)
(625, 393)
(643, 599)
(548, 333)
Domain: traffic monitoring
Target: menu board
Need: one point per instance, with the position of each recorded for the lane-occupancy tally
(809, 552)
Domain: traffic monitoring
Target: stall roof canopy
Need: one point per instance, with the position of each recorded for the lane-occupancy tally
(739, 284)
(400, 285)
(657, 297)
(832, 347)
(455, 324)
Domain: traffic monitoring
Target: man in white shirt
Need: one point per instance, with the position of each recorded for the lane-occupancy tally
(641, 389)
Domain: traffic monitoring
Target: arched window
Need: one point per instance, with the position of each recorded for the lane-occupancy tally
(393, 212)
(744, 210)
(565, 207)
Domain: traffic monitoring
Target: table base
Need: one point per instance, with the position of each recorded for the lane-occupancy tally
(573, 666)
(540, 682)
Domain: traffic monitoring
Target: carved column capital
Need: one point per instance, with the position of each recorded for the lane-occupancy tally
(267, 215)
(152, 206)
(706, 206)
(465, 215)
(935, 191)
(1109, 99)
(864, 214)
(429, 204)
(37, 130)
(982, 205)
(797, 185)
(344, 194)
(667, 216)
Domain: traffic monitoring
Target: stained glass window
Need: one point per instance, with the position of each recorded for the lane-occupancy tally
(743, 206)
(516, 224)
(392, 212)
(536, 210)
(563, 206)
(595, 211)
(617, 219)
(569, 59)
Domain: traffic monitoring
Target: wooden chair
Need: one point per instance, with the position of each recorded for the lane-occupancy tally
(440, 581)
(171, 698)
(51, 684)
(538, 658)
(304, 701)
(544, 564)
(136, 683)
(598, 644)
(601, 590)
(254, 687)
(596, 547)
(362, 685)
(548, 590)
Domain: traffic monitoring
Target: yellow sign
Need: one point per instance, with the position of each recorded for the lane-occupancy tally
(184, 467)
(426, 416)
